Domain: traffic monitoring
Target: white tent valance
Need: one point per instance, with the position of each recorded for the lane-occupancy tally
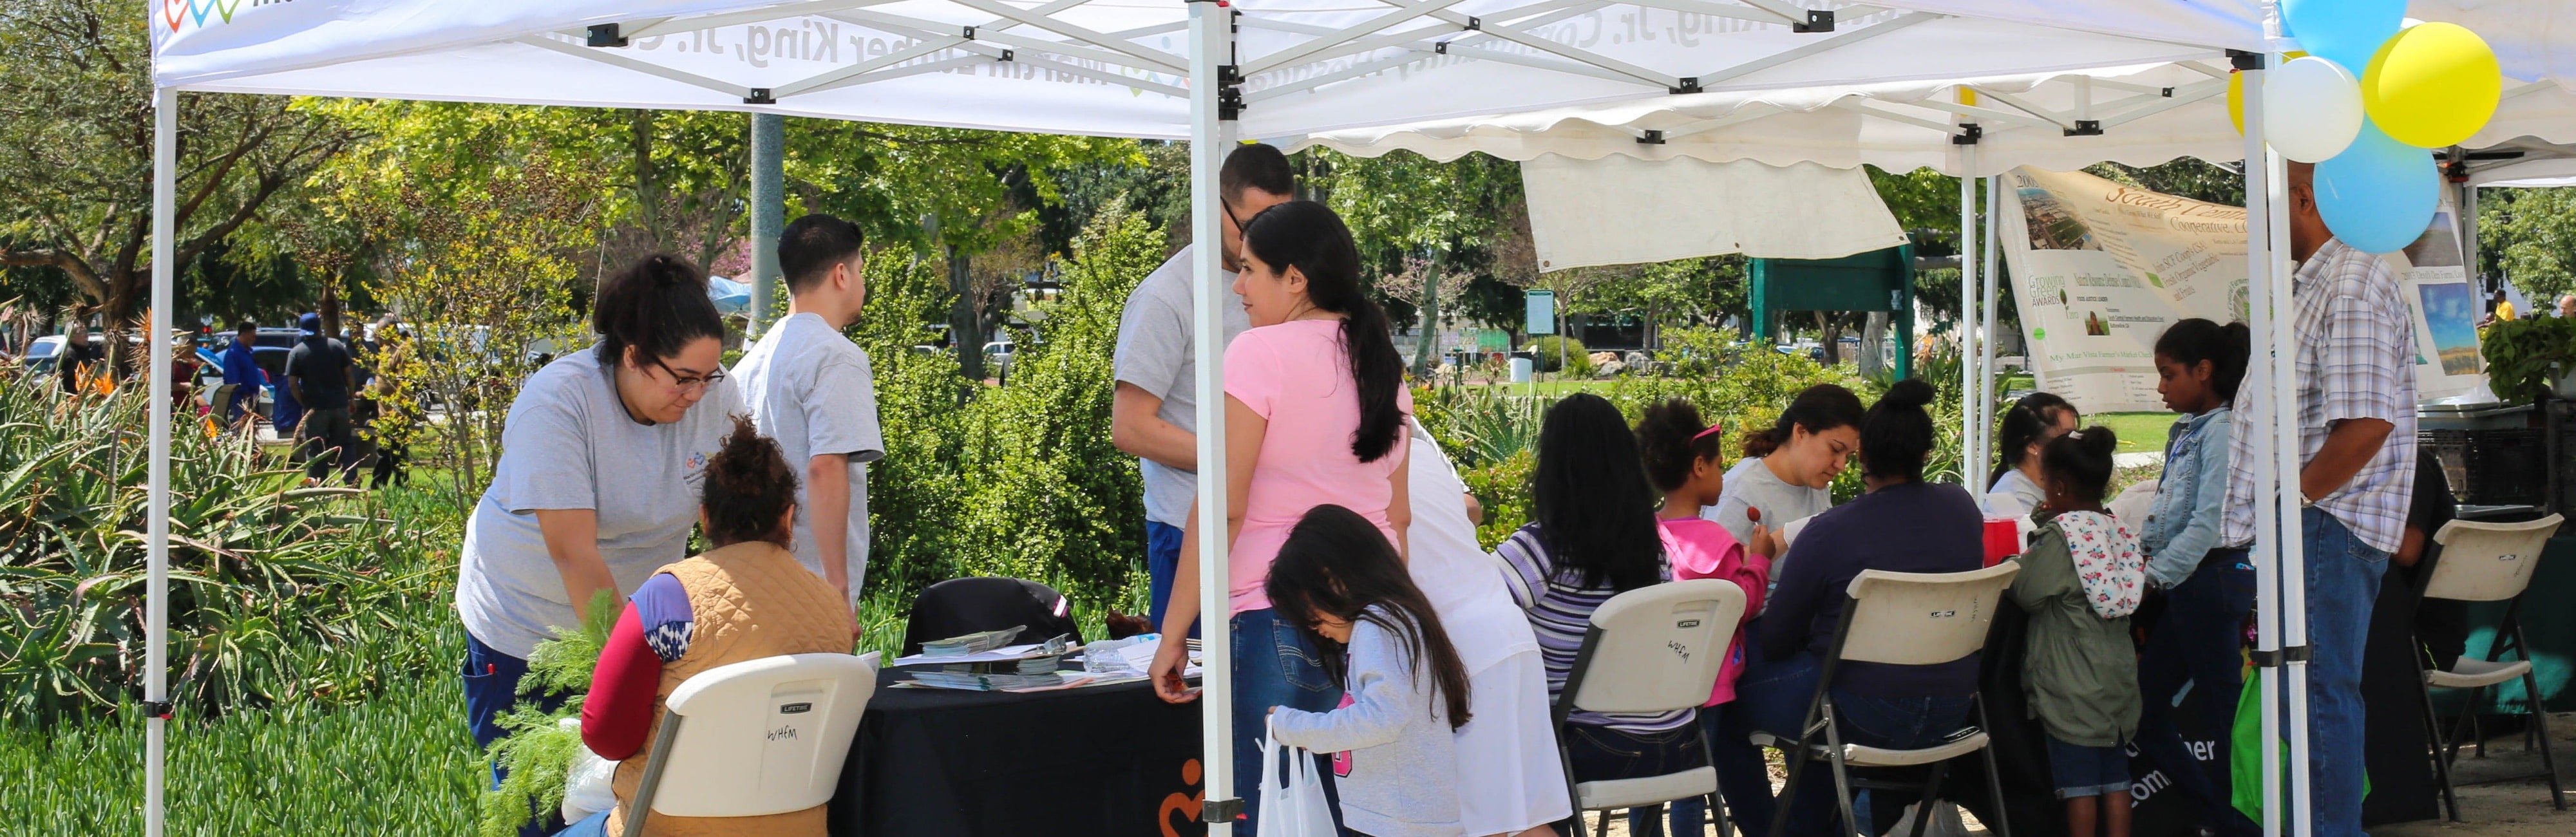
(1623, 210)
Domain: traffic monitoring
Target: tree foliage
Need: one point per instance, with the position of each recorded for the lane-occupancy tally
(2528, 236)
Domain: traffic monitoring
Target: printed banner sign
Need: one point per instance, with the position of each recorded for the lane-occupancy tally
(2099, 269)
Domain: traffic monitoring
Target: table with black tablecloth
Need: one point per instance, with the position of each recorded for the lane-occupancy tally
(1107, 760)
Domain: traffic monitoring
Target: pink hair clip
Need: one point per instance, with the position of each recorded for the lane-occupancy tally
(1712, 429)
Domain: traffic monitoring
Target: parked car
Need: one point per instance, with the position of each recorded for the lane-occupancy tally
(42, 355)
(997, 357)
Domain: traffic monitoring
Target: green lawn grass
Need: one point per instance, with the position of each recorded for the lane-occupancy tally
(2138, 432)
(400, 763)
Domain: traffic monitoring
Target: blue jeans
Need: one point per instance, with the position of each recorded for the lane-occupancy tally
(1726, 731)
(2343, 575)
(1274, 665)
(1776, 694)
(491, 690)
(595, 825)
(1602, 753)
(1162, 561)
(2079, 771)
(2196, 643)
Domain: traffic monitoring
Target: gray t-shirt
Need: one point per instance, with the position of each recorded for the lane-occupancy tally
(1750, 484)
(1154, 353)
(1401, 779)
(810, 388)
(570, 444)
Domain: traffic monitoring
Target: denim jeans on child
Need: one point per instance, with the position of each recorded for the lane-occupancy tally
(2078, 771)
(2198, 641)
(1274, 665)
(1777, 694)
(2343, 574)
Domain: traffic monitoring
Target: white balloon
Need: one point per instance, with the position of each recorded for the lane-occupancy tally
(2311, 109)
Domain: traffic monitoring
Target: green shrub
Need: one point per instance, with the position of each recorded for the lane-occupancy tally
(277, 593)
(2525, 356)
(539, 750)
(1576, 360)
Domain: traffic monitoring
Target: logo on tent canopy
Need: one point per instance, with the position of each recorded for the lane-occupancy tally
(199, 12)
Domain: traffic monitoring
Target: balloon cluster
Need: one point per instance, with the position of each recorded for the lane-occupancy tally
(2431, 85)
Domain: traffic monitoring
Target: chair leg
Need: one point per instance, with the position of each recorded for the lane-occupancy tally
(1573, 797)
(1797, 762)
(2468, 725)
(1717, 813)
(2540, 725)
(1931, 794)
(2002, 824)
(2433, 733)
(1842, 776)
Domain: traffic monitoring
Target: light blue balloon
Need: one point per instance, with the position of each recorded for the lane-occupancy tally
(2380, 194)
(2346, 32)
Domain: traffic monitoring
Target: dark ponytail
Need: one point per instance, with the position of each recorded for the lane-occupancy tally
(1897, 434)
(1673, 439)
(2226, 347)
(2081, 461)
(1820, 408)
(2027, 421)
(1336, 563)
(748, 488)
(1307, 236)
(655, 306)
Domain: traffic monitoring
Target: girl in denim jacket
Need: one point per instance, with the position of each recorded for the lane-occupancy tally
(2207, 590)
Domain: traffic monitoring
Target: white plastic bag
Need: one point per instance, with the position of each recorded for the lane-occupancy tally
(587, 782)
(1292, 805)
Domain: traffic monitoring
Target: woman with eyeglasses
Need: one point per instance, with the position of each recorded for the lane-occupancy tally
(596, 487)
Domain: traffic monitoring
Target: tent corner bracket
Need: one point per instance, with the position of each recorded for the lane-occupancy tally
(1229, 92)
(1688, 85)
(759, 96)
(1969, 134)
(2085, 128)
(1652, 137)
(2243, 60)
(605, 35)
(1818, 20)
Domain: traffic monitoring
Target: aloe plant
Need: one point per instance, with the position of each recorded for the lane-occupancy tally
(272, 585)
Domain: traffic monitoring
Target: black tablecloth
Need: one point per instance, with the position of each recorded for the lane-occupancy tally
(1107, 760)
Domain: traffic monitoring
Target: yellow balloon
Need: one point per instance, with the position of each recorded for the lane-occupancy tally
(2432, 86)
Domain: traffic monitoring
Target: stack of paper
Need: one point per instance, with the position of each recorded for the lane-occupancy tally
(958, 646)
(1027, 673)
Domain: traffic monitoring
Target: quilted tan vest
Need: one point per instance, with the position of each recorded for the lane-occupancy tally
(749, 600)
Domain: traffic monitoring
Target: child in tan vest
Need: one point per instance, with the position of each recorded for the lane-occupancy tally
(746, 599)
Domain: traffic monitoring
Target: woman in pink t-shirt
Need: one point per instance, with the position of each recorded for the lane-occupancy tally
(1314, 414)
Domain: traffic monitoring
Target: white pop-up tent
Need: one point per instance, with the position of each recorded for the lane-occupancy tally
(1203, 70)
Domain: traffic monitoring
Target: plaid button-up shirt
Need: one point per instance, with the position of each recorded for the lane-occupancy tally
(2356, 360)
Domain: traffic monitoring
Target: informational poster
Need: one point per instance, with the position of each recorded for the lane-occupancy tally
(2099, 269)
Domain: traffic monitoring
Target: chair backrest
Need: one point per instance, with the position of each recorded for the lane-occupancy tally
(1916, 619)
(1658, 648)
(2135, 503)
(961, 606)
(2487, 562)
(764, 736)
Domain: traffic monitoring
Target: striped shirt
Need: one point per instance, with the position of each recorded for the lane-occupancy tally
(2356, 360)
(1560, 610)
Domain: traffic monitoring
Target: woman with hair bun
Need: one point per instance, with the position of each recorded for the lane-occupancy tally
(1788, 469)
(598, 480)
(1902, 525)
(754, 601)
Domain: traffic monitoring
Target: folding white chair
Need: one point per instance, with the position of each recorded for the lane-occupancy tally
(2486, 562)
(1899, 619)
(757, 737)
(1652, 649)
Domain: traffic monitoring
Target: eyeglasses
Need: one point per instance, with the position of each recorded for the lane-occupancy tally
(690, 381)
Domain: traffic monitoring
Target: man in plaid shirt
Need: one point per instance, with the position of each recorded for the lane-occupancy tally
(2355, 345)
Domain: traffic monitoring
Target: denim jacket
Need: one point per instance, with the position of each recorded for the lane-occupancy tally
(2190, 499)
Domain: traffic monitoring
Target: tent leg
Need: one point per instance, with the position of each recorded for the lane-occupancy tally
(1972, 456)
(2262, 369)
(156, 664)
(768, 213)
(1986, 385)
(1211, 37)
(2285, 453)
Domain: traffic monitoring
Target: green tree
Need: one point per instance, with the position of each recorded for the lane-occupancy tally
(77, 132)
(2528, 236)
(1411, 214)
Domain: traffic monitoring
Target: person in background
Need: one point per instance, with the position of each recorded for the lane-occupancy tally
(2441, 624)
(80, 364)
(1510, 781)
(1880, 705)
(2500, 309)
(1153, 414)
(1595, 538)
(597, 485)
(811, 389)
(2567, 305)
(319, 373)
(2080, 580)
(756, 602)
(1788, 471)
(183, 375)
(1315, 408)
(242, 372)
(1340, 581)
(1686, 459)
(2356, 419)
(2196, 640)
(2031, 423)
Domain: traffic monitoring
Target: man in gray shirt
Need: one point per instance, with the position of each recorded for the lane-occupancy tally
(1154, 415)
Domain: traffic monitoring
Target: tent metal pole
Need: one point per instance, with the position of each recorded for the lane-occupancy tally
(1986, 384)
(2260, 376)
(1971, 443)
(156, 658)
(768, 213)
(1211, 45)
(2285, 456)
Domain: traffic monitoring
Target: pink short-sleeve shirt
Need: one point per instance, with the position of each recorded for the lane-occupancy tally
(1297, 376)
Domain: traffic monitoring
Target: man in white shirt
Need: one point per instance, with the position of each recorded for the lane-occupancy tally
(1154, 415)
(810, 388)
